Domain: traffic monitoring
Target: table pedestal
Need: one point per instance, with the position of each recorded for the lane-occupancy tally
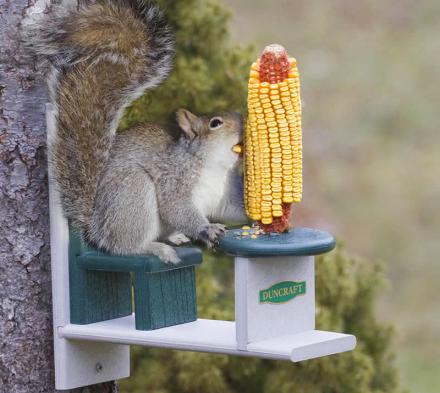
(275, 292)
(274, 296)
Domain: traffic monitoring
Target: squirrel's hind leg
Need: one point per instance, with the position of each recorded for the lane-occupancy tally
(165, 252)
(125, 219)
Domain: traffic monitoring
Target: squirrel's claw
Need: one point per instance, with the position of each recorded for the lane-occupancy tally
(210, 234)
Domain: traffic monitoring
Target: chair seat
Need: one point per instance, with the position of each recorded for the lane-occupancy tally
(100, 261)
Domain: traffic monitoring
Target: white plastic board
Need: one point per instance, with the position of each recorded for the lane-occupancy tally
(205, 335)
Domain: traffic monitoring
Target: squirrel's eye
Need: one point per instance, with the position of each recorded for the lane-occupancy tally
(215, 122)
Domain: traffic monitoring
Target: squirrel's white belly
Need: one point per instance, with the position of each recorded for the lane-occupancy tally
(210, 188)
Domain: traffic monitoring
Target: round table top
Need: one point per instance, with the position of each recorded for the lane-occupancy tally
(295, 242)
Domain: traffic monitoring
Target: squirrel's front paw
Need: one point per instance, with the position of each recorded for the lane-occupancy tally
(209, 233)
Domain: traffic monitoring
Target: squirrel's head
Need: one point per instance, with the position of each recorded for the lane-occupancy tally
(221, 132)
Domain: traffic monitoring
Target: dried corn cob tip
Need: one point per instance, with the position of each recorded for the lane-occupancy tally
(274, 64)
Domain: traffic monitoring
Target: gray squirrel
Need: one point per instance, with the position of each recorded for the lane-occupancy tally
(128, 192)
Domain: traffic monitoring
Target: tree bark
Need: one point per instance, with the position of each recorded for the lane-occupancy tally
(26, 351)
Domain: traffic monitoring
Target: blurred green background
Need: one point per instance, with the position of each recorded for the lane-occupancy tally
(370, 95)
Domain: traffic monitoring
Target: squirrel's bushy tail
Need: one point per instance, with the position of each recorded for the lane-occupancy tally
(104, 54)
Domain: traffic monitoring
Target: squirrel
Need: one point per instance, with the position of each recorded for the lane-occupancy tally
(128, 192)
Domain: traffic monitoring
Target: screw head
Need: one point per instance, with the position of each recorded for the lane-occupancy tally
(98, 367)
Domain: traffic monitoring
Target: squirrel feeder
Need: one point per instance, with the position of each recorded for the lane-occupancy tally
(93, 321)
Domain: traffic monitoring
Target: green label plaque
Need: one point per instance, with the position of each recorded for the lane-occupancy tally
(282, 292)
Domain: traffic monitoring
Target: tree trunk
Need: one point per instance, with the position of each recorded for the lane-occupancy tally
(26, 351)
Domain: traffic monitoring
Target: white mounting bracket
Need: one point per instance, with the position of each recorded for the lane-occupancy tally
(77, 363)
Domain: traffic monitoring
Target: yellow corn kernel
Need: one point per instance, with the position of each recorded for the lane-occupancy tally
(237, 148)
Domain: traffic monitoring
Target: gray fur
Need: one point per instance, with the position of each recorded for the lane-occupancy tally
(146, 191)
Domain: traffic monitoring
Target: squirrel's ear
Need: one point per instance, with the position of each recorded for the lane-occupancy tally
(187, 122)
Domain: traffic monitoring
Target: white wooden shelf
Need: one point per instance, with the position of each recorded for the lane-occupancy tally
(205, 335)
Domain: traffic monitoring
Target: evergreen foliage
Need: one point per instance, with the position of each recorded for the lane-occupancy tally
(211, 75)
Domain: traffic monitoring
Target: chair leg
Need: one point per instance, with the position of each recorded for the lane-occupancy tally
(165, 299)
(94, 295)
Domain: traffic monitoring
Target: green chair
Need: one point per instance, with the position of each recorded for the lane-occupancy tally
(101, 286)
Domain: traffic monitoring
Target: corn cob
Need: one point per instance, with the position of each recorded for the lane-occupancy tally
(273, 146)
